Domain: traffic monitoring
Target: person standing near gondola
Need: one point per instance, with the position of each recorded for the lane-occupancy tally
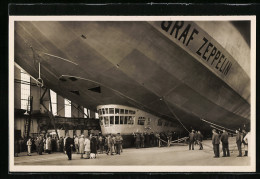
(199, 139)
(29, 146)
(40, 145)
(239, 142)
(69, 144)
(81, 146)
(93, 145)
(224, 140)
(215, 143)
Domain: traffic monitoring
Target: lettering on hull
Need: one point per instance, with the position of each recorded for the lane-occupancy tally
(200, 44)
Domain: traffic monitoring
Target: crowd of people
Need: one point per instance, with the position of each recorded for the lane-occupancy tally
(242, 138)
(144, 140)
(85, 146)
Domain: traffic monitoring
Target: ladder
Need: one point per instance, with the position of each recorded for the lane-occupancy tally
(28, 117)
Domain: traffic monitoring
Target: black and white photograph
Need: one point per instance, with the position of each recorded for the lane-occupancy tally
(132, 93)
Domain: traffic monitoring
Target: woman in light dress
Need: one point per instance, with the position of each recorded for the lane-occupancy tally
(246, 139)
(87, 147)
(81, 146)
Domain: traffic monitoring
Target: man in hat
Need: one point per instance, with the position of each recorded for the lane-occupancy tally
(191, 140)
(224, 140)
(118, 142)
(239, 142)
(200, 138)
(215, 143)
(68, 146)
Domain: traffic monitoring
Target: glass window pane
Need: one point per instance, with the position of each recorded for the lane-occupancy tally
(125, 119)
(106, 121)
(117, 111)
(103, 111)
(116, 119)
(106, 110)
(101, 120)
(141, 121)
(121, 119)
(111, 111)
(111, 120)
(131, 112)
(132, 120)
(122, 111)
(99, 111)
(126, 111)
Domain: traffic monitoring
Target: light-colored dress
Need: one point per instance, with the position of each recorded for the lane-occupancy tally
(87, 145)
(81, 145)
(246, 139)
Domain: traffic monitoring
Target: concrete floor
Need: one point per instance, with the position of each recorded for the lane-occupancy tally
(175, 155)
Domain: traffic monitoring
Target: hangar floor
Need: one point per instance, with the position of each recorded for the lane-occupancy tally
(175, 155)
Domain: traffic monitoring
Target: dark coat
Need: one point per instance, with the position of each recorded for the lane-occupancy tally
(137, 138)
(215, 139)
(195, 136)
(69, 141)
(93, 145)
(199, 137)
(224, 138)
(191, 136)
(238, 138)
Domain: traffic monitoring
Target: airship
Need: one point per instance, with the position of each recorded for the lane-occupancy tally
(188, 74)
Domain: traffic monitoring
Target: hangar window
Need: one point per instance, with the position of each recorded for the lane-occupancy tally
(25, 90)
(53, 102)
(111, 120)
(122, 111)
(106, 110)
(86, 113)
(67, 104)
(116, 119)
(122, 120)
(141, 121)
(117, 111)
(159, 122)
(126, 111)
(111, 111)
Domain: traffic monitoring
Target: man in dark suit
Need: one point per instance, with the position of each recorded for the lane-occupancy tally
(224, 140)
(191, 140)
(239, 142)
(69, 143)
(199, 139)
(215, 142)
